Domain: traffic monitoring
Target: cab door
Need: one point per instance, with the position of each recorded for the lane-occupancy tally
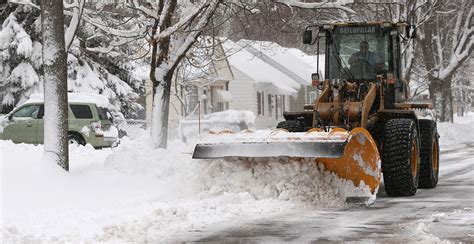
(23, 124)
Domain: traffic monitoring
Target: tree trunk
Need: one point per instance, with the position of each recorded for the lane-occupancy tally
(55, 83)
(161, 107)
(442, 98)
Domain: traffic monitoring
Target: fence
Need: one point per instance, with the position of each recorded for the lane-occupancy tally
(132, 128)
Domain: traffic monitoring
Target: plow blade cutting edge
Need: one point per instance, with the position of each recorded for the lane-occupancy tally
(350, 155)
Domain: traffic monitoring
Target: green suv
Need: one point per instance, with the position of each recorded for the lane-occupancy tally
(89, 121)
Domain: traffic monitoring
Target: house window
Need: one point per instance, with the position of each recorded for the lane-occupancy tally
(283, 103)
(276, 106)
(270, 105)
(312, 96)
(260, 104)
(280, 103)
(191, 99)
(204, 101)
(219, 107)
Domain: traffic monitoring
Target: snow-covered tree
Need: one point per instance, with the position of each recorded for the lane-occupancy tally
(20, 43)
(20, 53)
(446, 42)
(175, 27)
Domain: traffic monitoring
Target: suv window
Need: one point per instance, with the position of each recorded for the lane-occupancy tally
(29, 111)
(103, 114)
(81, 111)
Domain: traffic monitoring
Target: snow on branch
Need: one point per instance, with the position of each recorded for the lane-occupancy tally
(116, 32)
(463, 48)
(143, 9)
(25, 2)
(74, 24)
(320, 5)
(182, 22)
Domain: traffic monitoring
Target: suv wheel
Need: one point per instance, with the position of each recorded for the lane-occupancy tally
(74, 139)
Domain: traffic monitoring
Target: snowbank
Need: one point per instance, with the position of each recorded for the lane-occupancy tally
(136, 193)
(462, 130)
(232, 116)
(230, 120)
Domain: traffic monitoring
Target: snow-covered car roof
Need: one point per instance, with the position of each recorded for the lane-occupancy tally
(97, 99)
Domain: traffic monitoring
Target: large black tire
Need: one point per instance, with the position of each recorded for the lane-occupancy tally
(291, 125)
(75, 139)
(429, 154)
(400, 157)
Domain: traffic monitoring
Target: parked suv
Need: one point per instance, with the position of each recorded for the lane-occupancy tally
(89, 121)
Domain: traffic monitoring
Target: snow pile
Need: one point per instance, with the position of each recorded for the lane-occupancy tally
(3, 122)
(459, 132)
(229, 120)
(232, 116)
(136, 193)
(426, 230)
(277, 179)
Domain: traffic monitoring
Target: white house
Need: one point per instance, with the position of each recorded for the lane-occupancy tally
(260, 77)
(200, 90)
(270, 79)
(258, 86)
(295, 64)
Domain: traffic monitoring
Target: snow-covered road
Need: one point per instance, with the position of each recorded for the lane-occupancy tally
(441, 214)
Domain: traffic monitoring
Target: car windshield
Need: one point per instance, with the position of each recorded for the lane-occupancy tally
(358, 53)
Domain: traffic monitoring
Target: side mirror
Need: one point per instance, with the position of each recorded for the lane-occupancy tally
(307, 37)
(10, 117)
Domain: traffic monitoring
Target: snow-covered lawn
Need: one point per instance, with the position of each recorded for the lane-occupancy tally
(136, 193)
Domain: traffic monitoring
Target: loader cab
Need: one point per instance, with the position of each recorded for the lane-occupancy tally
(359, 52)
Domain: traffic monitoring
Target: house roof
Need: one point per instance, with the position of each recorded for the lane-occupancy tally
(291, 61)
(257, 69)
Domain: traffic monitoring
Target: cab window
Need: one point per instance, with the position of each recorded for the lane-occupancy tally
(28, 111)
(81, 111)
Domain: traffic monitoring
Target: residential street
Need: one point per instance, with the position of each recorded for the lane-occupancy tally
(217, 121)
(444, 213)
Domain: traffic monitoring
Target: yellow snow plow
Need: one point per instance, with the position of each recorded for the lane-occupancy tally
(361, 124)
(350, 155)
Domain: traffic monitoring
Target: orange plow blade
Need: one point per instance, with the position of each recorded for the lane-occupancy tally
(360, 161)
(351, 155)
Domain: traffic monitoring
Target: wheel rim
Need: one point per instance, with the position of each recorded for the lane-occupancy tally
(414, 158)
(435, 157)
(73, 141)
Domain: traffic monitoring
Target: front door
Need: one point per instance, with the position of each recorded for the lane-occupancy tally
(23, 124)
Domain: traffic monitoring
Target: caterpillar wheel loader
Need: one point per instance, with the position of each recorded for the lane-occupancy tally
(361, 126)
